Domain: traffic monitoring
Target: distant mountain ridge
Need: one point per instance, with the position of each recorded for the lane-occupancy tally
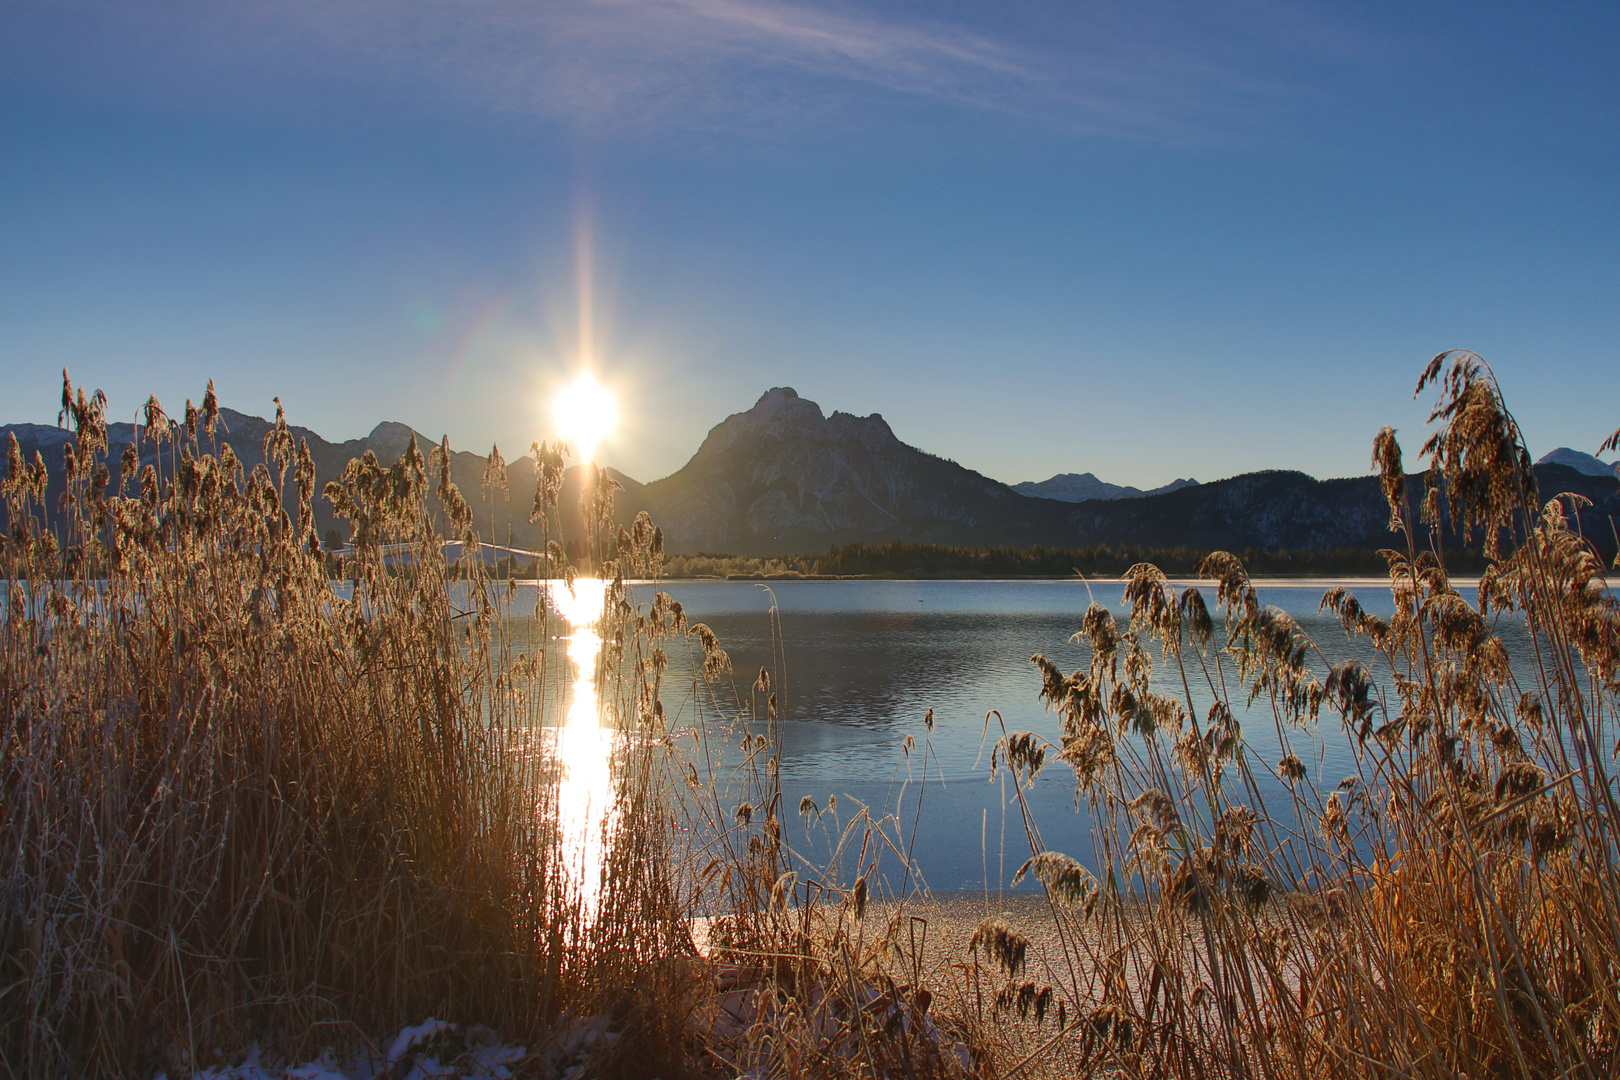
(783, 477)
(497, 521)
(1585, 464)
(1079, 487)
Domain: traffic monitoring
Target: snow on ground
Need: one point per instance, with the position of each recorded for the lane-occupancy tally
(434, 1049)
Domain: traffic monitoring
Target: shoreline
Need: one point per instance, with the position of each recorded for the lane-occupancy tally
(1274, 581)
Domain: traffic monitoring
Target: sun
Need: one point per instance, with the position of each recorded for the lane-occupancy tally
(586, 413)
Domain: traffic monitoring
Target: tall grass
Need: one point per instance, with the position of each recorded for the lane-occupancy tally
(243, 804)
(1450, 909)
(239, 806)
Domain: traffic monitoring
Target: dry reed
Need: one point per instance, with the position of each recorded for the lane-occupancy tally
(1450, 909)
(240, 807)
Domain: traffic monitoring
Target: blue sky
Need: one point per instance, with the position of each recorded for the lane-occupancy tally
(1145, 240)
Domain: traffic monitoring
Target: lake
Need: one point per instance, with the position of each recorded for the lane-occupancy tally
(865, 660)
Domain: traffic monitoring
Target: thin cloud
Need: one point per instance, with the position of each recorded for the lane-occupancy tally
(764, 66)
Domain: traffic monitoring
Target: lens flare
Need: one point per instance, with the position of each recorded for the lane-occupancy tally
(586, 414)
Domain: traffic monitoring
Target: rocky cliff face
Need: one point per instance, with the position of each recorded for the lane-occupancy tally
(785, 477)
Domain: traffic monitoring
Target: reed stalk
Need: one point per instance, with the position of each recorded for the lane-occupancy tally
(1452, 907)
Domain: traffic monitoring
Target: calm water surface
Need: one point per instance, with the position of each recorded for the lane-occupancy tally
(865, 660)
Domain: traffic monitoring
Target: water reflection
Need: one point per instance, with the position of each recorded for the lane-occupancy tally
(584, 747)
(863, 661)
(866, 660)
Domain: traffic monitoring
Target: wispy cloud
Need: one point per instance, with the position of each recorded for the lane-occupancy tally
(628, 66)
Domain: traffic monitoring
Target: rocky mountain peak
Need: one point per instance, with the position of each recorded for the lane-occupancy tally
(389, 440)
(780, 411)
(783, 475)
(778, 399)
(781, 415)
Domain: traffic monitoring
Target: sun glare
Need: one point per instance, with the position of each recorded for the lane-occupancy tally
(584, 747)
(585, 413)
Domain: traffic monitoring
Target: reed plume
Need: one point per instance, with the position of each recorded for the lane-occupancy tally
(1452, 907)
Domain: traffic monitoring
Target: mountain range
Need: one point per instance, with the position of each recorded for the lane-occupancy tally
(1081, 487)
(784, 477)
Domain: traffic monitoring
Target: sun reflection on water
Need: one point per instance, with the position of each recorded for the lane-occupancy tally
(584, 747)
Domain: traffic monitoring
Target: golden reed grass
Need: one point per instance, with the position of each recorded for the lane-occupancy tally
(1450, 909)
(239, 807)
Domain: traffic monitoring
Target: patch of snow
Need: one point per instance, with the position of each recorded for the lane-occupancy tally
(422, 1032)
(485, 1057)
(322, 1068)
